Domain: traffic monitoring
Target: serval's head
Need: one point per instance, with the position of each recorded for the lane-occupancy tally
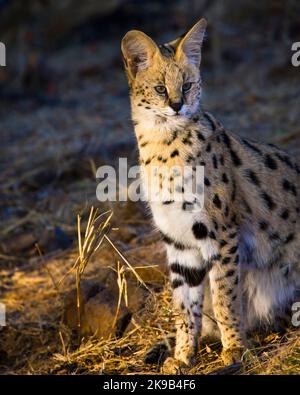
(165, 82)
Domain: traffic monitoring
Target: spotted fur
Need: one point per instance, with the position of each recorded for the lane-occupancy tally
(244, 241)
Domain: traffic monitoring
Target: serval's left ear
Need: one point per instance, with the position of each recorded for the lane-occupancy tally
(189, 48)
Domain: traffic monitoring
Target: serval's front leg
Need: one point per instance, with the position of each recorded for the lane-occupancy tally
(226, 296)
(187, 272)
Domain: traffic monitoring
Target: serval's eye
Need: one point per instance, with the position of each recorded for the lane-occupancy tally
(186, 86)
(160, 89)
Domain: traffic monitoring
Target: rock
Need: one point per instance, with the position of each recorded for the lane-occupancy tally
(87, 290)
(98, 308)
(99, 315)
(19, 242)
(54, 238)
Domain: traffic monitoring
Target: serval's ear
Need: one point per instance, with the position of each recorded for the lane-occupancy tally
(169, 48)
(189, 48)
(138, 51)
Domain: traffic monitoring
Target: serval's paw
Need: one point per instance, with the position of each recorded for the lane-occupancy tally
(232, 355)
(174, 366)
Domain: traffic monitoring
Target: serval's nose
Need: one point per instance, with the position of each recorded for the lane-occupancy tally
(176, 105)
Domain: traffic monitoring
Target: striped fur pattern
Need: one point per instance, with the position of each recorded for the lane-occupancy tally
(244, 241)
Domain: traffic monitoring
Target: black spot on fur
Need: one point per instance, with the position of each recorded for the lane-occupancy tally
(233, 250)
(216, 225)
(270, 162)
(285, 159)
(252, 177)
(200, 230)
(268, 201)
(226, 260)
(186, 141)
(288, 186)
(176, 283)
(212, 235)
(190, 159)
(208, 148)
(263, 225)
(200, 136)
(192, 276)
(226, 139)
(206, 181)
(235, 158)
(166, 202)
(274, 236)
(285, 214)
(187, 206)
(289, 238)
(212, 124)
(215, 161)
(217, 202)
(174, 153)
(233, 192)
(225, 178)
(226, 212)
(237, 259)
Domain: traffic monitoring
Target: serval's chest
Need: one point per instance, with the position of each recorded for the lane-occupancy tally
(189, 226)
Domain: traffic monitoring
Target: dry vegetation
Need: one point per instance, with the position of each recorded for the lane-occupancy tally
(36, 340)
(51, 144)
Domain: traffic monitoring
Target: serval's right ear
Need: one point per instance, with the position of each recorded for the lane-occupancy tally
(138, 51)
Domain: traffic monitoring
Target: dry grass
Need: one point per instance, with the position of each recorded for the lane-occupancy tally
(35, 325)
